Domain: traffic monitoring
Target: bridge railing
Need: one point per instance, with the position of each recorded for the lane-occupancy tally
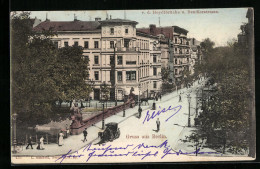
(78, 128)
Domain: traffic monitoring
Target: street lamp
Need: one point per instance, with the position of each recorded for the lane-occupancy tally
(103, 119)
(103, 104)
(124, 106)
(139, 103)
(91, 85)
(115, 96)
(189, 100)
(14, 132)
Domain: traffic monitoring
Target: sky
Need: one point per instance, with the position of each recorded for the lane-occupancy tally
(220, 26)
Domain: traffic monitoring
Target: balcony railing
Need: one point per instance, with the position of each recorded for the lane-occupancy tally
(125, 49)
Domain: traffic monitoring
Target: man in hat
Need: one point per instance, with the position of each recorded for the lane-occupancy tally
(85, 133)
(29, 142)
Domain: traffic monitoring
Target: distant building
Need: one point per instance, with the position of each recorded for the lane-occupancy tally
(175, 50)
(196, 54)
(118, 55)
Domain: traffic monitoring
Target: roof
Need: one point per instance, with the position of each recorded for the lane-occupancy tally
(178, 29)
(118, 21)
(68, 26)
(166, 31)
(139, 33)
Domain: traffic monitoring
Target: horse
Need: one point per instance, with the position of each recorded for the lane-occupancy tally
(144, 100)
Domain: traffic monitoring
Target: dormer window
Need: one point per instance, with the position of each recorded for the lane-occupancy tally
(112, 31)
(126, 31)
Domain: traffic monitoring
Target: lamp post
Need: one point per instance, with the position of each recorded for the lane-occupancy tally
(115, 96)
(154, 105)
(14, 133)
(103, 104)
(189, 100)
(91, 85)
(124, 106)
(103, 119)
(139, 103)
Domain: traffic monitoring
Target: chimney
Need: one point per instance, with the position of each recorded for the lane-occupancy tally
(97, 19)
(152, 29)
(47, 17)
(75, 17)
(193, 41)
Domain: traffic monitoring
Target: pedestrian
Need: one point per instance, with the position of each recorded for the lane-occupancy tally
(29, 142)
(158, 124)
(67, 131)
(61, 135)
(85, 133)
(41, 143)
(179, 98)
(160, 97)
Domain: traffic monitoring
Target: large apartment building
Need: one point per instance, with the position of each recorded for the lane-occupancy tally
(175, 49)
(119, 56)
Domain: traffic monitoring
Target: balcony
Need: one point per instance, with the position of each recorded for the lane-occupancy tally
(125, 49)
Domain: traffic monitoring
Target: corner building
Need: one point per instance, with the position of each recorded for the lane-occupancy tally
(118, 55)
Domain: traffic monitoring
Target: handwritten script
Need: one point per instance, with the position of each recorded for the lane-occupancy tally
(164, 110)
(141, 150)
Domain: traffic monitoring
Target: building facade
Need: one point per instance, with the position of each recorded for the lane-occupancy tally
(175, 50)
(118, 55)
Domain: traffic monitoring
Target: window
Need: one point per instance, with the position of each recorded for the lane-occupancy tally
(86, 44)
(130, 63)
(96, 44)
(126, 44)
(66, 44)
(175, 49)
(154, 58)
(76, 43)
(176, 61)
(119, 60)
(56, 44)
(96, 60)
(176, 40)
(119, 76)
(96, 75)
(176, 71)
(154, 84)
(130, 75)
(111, 44)
(112, 61)
(154, 71)
(126, 31)
(111, 30)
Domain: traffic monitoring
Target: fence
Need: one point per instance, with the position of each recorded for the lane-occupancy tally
(77, 129)
(48, 138)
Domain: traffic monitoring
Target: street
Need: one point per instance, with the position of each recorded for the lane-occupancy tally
(135, 130)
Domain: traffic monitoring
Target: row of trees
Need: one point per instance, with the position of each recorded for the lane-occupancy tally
(42, 74)
(226, 113)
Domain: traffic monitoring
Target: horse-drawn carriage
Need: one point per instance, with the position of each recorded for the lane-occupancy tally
(110, 133)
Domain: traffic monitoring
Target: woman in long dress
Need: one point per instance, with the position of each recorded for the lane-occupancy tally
(41, 143)
(61, 135)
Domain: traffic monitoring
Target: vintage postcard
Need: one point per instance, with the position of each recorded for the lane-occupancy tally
(132, 86)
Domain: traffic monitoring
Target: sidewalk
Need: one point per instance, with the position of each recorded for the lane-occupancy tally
(75, 143)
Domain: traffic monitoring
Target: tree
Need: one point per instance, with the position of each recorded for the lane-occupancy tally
(41, 74)
(226, 113)
(165, 74)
